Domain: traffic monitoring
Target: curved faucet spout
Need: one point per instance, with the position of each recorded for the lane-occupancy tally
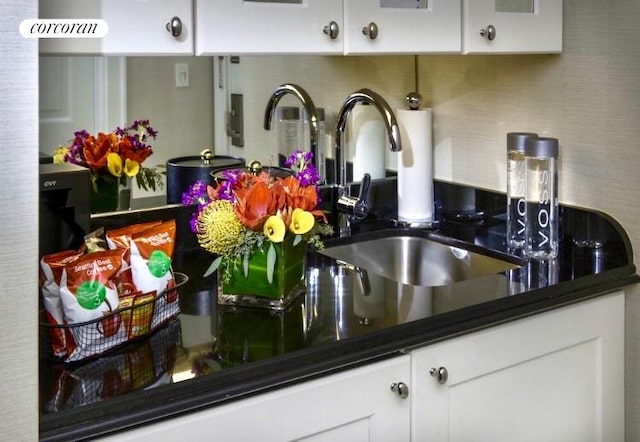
(370, 97)
(346, 204)
(308, 105)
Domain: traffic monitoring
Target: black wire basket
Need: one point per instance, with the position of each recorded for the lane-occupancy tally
(117, 328)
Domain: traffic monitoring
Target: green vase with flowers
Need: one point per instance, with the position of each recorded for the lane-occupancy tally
(259, 228)
(114, 159)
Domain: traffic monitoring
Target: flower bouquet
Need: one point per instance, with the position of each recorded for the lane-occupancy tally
(114, 158)
(259, 226)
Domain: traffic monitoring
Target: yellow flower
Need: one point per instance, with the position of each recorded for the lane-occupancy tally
(59, 154)
(114, 164)
(131, 167)
(274, 229)
(219, 229)
(301, 221)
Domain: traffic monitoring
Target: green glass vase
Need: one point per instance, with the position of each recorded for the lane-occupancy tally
(110, 193)
(254, 286)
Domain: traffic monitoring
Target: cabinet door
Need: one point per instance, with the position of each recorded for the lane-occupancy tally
(136, 27)
(401, 26)
(237, 27)
(518, 26)
(558, 376)
(356, 405)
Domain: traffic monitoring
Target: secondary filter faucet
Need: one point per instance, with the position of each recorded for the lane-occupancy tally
(308, 105)
(358, 206)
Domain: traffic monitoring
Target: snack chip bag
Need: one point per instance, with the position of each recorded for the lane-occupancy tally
(88, 292)
(151, 255)
(51, 267)
(120, 239)
(137, 313)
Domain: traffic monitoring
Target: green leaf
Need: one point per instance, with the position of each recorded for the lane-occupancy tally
(213, 267)
(271, 262)
(297, 239)
(245, 265)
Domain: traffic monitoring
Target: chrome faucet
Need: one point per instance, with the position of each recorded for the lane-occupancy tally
(358, 207)
(309, 107)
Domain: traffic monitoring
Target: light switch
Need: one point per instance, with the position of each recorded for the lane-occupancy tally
(182, 75)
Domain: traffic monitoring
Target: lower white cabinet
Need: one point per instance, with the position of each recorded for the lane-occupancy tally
(355, 405)
(556, 376)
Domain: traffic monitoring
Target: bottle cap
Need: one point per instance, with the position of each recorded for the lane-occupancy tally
(541, 147)
(319, 114)
(516, 140)
(288, 113)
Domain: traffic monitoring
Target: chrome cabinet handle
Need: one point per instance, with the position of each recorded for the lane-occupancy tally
(174, 26)
(401, 389)
(441, 374)
(332, 30)
(371, 30)
(489, 32)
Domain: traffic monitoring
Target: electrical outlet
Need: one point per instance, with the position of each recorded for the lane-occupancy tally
(182, 75)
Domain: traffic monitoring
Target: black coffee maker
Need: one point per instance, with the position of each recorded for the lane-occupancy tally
(65, 206)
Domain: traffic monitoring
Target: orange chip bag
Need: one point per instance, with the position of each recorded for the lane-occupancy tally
(151, 255)
(121, 238)
(51, 267)
(88, 292)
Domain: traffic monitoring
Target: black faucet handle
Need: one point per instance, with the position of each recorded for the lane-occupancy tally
(361, 207)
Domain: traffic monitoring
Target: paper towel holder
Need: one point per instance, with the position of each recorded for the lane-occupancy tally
(414, 100)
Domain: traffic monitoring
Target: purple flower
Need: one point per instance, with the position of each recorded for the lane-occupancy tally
(298, 160)
(196, 193)
(228, 182)
(308, 176)
(193, 222)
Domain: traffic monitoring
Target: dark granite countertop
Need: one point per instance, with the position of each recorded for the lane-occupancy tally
(212, 354)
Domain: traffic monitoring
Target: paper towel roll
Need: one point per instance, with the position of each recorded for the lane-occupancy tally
(368, 142)
(415, 166)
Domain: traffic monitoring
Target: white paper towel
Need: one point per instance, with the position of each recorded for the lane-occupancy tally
(415, 166)
(368, 142)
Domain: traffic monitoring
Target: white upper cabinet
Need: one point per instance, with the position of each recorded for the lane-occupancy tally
(401, 26)
(512, 26)
(268, 27)
(136, 27)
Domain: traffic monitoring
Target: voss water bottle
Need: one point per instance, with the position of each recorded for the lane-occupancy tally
(541, 198)
(516, 188)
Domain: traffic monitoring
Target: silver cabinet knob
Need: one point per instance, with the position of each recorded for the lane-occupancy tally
(371, 30)
(332, 30)
(489, 32)
(174, 26)
(401, 389)
(441, 374)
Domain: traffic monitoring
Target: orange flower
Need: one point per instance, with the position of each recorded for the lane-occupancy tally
(96, 150)
(299, 197)
(256, 203)
(128, 152)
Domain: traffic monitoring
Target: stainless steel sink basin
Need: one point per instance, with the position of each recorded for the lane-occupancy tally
(417, 261)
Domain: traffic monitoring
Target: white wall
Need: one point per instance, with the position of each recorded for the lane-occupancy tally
(19, 233)
(183, 117)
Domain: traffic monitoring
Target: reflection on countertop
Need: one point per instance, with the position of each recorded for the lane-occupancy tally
(208, 338)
